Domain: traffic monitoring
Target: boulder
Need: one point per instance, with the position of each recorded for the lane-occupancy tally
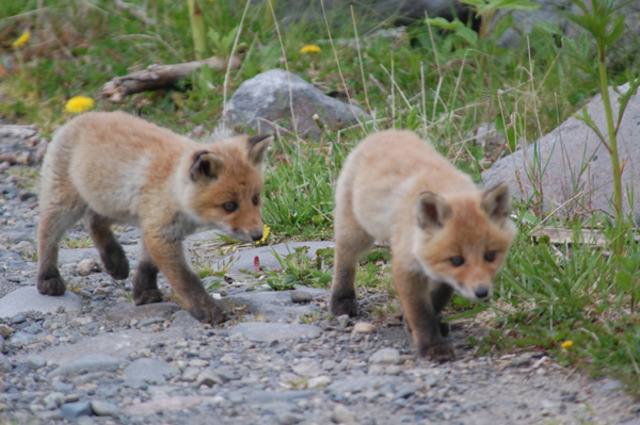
(263, 103)
(568, 171)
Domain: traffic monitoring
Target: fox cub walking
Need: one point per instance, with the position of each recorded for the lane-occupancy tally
(444, 232)
(114, 167)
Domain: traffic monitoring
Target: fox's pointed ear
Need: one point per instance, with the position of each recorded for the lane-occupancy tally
(496, 202)
(257, 147)
(206, 166)
(432, 210)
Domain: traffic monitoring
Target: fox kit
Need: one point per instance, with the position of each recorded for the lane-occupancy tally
(444, 232)
(114, 167)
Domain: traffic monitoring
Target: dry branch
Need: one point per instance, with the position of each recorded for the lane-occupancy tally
(159, 77)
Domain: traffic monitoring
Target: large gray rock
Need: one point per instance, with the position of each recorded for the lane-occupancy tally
(263, 102)
(368, 13)
(569, 170)
(29, 299)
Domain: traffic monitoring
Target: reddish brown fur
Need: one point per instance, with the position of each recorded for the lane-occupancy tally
(397, 188)
(113, 167)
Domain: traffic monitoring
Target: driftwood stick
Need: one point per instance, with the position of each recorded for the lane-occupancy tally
(158, 77)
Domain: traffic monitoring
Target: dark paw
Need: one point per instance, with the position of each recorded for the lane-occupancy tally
(340, 306)
(441, 352)
(211, 312)
(52, 285)
(116, 263)
(148, 296)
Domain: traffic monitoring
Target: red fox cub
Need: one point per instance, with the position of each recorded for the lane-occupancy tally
(444, 232)
(114, 167)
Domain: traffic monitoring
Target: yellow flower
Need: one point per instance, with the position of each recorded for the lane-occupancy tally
(22, 39)
(265, 234)
(567, 344)
(310, 48)
(79, 104)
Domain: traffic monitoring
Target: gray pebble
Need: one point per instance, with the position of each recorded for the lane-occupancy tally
(53, 400)
(71, 411)
(89, 363)
(35, 362)
(343, 321)
(149, 370)
(87, 266)
(151, 321)
(103, 408)
(5, 364)
(385, 355)
(300, 296)
(209, 377)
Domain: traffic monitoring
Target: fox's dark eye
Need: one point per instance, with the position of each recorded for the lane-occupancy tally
(230, 206)
(490, 256)
(255, 199)
(457, 261)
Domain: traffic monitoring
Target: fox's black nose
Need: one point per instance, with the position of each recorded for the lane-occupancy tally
(481, 292)
(256, 236)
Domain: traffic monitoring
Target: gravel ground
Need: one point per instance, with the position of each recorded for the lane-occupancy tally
(94, 358)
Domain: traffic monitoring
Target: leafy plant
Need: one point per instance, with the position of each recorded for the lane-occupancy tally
(298, 269)
(606, 27)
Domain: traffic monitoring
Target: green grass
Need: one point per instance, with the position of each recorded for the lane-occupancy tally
(439, 84)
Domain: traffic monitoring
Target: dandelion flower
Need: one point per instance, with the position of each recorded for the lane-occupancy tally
(79, 104)
(567, 344)
(310, 48)
(265, 234)
(22, 39)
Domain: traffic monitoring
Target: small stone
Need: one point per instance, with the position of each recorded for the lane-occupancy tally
(103, 408)
(209, 377)
(89, 363)
(53, 400)
(610, 386)
(18, 318)
(289, 419)
(25, 249)
(343, 321)
(5, 364)
(300, 297)
(35, 362)
(385, 355)
(87, 266)
(408, 390)
(364, 327)
(319, 381)
(149, 370)
(5, 331)
(307, 368)
(190, 374)
(71, 411)
(521, 361)
(342, 415)
(151, 321)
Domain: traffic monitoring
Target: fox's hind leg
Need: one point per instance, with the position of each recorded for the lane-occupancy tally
(351, 241)
(54, 222)
(111, 252)
(145, 279)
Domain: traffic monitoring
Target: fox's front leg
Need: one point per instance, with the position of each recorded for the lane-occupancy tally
(169, 257)
(421, 316)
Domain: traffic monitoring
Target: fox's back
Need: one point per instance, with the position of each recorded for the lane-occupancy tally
(111, 158)
(389, 167)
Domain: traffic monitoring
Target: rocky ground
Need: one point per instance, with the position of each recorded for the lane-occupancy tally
(91, 357)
